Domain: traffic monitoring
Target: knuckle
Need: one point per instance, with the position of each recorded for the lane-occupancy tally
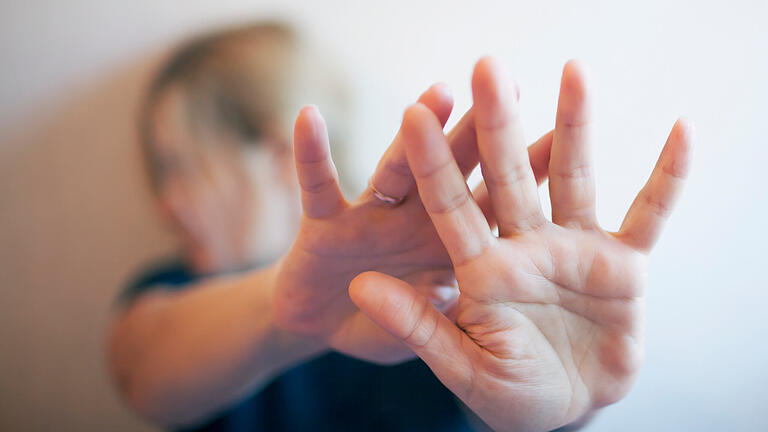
(424, 327)
(398, 166)
(578, 172)
(657, 207)
(317, 185)
(434, 170)
(514, 174)
(451, 203)
(575, 119)
(673, 171)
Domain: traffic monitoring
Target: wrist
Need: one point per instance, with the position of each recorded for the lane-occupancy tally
(287, 346)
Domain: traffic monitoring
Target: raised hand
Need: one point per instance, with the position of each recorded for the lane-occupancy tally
(549, 315)
(338, 240)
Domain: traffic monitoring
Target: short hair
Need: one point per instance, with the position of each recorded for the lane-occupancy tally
(237, 82)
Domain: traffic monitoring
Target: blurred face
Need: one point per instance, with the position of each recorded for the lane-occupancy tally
(232, 205)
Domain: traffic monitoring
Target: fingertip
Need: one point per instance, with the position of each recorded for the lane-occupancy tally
(303, 119)
(417, 117)
(680, 145)
(486, 76)
(491, 72)
(310, 136)
(310, 108)
(573, 104)
(686, 129)
(375, 292)
(416, 109)
(493, 93)
(359, 286)
(439, 92)
(485, 66)
(443, 89)
(575, 78)
(575, 68)
(308, 115)
(439, 99)
(574, 64)
(681, 135)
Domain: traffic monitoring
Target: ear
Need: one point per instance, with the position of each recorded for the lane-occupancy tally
(179, 211)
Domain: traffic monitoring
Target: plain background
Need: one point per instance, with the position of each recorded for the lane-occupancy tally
(76, 217)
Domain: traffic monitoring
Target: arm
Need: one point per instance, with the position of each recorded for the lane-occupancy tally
(179, 357)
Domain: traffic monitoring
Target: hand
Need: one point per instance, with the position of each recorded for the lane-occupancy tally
(549, 316)
(338, 240)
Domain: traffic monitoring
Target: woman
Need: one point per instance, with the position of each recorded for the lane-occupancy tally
(198, 341)
(183, 356)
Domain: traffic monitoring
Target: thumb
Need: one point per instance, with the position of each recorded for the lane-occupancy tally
(410, 317)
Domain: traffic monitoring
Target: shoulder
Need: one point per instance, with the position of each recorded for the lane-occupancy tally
(169, 273)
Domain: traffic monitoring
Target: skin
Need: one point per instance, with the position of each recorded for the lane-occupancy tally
(545, 329)
(203, 192)
(180, 357)
(337, 239)
(549, 316)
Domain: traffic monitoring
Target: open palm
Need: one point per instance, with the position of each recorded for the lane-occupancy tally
(549, 316)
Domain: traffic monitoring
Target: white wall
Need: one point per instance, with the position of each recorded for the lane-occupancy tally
(76, 220)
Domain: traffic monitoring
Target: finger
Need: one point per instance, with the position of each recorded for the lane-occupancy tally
(393, 176)
(439, 99)
(505, 163)
(413, 319)
(571, 181)
(538, 153)
(443, 191)
(483, 200)
(462, 140)
(653, 205)
(463, 143)
(321, 195)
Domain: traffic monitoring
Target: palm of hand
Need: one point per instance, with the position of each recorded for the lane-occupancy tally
(556, 313)
(330, 252)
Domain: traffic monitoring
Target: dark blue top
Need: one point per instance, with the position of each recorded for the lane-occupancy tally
(333, 392)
